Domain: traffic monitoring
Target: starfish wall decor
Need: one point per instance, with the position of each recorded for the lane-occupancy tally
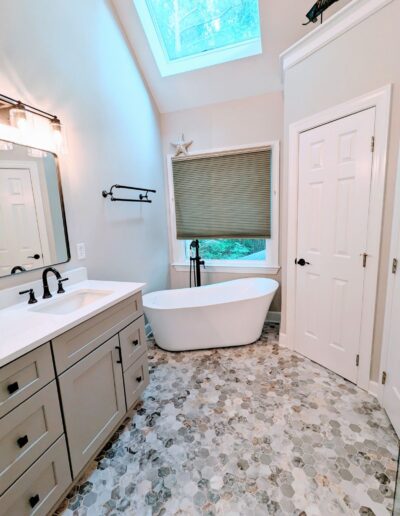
(182, 146)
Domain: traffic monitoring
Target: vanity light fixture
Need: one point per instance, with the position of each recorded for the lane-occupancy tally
(18, 114)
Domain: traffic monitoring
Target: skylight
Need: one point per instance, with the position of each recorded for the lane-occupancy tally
(189, 34)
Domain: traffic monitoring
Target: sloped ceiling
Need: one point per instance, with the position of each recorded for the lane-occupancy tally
(281, 25)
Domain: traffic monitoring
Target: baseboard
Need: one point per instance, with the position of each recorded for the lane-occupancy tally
(376, 389)
(283, 340)
(274, 317)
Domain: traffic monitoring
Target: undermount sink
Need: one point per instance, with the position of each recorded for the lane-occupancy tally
(72, 302)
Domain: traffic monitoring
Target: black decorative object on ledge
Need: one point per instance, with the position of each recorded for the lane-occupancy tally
(142, 197)
(318, 9)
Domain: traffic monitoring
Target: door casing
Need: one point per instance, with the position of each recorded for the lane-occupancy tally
(394, 246)
(381, 100)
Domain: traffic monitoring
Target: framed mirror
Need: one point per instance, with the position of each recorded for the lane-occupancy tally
(33, 229)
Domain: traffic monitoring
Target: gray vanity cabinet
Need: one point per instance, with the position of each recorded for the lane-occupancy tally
(92, 395)
(91, 375)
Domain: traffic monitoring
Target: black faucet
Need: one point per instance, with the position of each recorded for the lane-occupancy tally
(46, 290)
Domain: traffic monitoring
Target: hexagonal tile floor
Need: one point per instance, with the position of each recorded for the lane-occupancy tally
(255, 430)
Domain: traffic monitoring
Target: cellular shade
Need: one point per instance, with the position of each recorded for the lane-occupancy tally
(223, 195)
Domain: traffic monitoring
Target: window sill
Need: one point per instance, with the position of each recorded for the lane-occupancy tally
(233, 269)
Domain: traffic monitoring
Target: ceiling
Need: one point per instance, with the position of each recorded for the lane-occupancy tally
(281, 26)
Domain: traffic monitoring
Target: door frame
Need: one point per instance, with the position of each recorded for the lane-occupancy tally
(394, 242)
(380, 100)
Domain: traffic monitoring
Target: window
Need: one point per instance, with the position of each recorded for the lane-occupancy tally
(229, 202)
(188, 34)
(231, 249)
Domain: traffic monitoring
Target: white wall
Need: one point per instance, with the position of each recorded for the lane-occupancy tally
(281, 26)
(363, 59)
(229, 124)
(70, 58)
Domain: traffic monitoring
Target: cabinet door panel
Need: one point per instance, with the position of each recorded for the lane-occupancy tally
(136, 380)
(93, 401)
(133, 342)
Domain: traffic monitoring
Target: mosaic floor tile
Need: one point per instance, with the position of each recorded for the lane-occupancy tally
(255, 430)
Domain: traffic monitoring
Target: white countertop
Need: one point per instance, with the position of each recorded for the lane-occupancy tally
(23, 329)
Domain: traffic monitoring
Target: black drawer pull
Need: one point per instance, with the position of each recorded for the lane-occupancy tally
(119, 361)
(139, 379)
(135, 342)
(13, 387)
(34, 500)
(22, 441)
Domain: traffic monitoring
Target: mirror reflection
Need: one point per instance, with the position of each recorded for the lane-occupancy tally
(33, 231)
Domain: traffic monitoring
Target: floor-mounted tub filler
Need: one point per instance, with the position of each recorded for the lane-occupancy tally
(215, 316)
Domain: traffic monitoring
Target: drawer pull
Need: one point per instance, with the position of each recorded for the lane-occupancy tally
(139, 379)
(13, 387)
(119, 361)
(22, 441)
(135, 342)
(34, 500)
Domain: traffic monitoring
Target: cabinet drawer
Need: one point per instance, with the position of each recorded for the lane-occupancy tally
(92, 394)
(27, 432)
(84, 338)
(136, 380)
(133, 342)
(39, 488)
(25, 376)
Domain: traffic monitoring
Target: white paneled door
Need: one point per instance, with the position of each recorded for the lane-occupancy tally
(20, 242)
(335, 163)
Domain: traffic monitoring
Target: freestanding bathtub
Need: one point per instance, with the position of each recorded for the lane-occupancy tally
(220, 315)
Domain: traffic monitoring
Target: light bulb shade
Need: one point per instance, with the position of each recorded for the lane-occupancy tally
(57, 133)
(18, 116)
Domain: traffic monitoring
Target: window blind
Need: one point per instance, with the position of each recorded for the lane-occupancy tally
(223, 195)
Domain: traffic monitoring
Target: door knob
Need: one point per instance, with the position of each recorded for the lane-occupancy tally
(301, 262)
(35, 256)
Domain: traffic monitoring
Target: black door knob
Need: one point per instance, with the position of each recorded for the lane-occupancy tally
(35, 256)
(301, 262)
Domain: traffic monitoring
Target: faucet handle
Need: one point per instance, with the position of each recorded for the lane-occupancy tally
(32, 298)
(60, 286)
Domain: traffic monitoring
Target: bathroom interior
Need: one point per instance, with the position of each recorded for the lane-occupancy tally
(182, 331)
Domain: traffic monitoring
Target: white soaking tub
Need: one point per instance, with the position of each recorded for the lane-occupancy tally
(220, 315)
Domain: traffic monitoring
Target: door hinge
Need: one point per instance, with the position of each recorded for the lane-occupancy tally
(372, 143)
(365, 256)
(394, 265)
(357, 360)
(384, 377)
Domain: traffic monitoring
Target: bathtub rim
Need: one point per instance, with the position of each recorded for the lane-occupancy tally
(224, 302)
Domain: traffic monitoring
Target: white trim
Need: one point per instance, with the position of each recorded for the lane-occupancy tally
(348, 17)
(283, 342)
(380, 99)
(394, 244)
(376, 390)
(232, 269)
(169, 67)
(177, 247)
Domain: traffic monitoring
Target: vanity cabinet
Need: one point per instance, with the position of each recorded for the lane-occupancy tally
(93, 399)
(60, 403)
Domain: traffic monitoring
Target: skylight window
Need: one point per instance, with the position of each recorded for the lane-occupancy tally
(190, 34)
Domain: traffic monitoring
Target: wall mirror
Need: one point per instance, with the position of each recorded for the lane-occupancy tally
(33, 230)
